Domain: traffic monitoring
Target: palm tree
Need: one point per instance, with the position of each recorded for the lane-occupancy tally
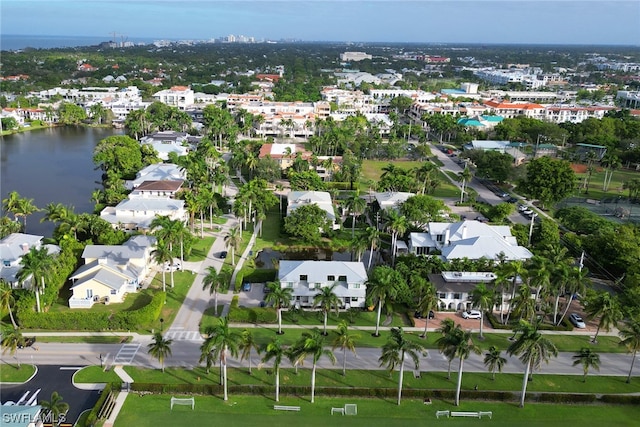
(514, 270)
(606, 306)
(346, 341)
(160, 348)
(7, 300)
(577, 282)
(162, 256)
(355, 205)
(12, 340)
(37, 265)
(532, 348)
(214, 281)
(274, 350)
(248, 343)
(233, 238)
(630, 338)
(588, 359)
(221, 341)
(280, 298)
(494, 361)
(458, 343)
(428, 302)
(381, 285)
(446, 329)
(20, 207)
(483, 298)
(394, 352)
(55, 407)
(464, 176)
(327, 299)
(373, 237)
(312, 344)
(397, 224)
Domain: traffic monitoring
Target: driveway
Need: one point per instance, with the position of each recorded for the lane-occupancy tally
(49, 379)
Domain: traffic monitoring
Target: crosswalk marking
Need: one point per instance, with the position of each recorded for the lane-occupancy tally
(126, 354)
(183, 335)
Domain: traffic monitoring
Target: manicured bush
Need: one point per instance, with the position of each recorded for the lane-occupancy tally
(253, 315)
(622, 399)
(561, 397)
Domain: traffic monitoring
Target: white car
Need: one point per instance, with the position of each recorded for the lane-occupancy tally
(577, 320)
(471, 314)
(176, 266)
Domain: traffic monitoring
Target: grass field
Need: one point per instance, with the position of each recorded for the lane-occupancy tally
(95, 374)
(200, 247)
(153, 410)
(9, 373)
(98, 339)
(372, 170)
(175, 297)
(620, 176)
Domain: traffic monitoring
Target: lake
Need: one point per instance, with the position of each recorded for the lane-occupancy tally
(51, 166)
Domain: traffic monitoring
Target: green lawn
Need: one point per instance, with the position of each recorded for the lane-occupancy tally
(620, 176)
(201, 247)
(372, 170)
(9, 373)
(153, 410)
(95, 374)
(98, 339)
(175, 297)
(378, 379)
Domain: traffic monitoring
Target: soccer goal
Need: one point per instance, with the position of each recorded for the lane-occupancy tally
(351, 409)
(183, 401)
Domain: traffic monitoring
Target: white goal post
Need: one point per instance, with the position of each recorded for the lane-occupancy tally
(183, 401)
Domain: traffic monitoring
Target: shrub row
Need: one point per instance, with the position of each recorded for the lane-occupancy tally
(261, 275)
(252, 315)
(496, 324)
(501, 396)
(88, 320)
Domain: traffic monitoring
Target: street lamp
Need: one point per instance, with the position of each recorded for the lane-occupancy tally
(161, 324)
(101, 361)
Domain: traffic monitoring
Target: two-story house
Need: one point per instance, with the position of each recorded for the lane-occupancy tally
(111, 271)
(157, 172)
(307, 278)
(468, 239)
(12, 248)
(136, 213)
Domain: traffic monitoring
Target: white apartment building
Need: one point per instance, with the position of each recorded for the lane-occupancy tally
(181, 97)
(354, 56)
(88, 94)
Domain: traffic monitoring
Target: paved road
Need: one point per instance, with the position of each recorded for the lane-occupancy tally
(49, 379)
(185, 353)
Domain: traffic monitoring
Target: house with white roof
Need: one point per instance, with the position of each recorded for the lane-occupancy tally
(157, 172)
(391, 199)
(295, 199)
(307, 278)
(165, 142)
(181, 97)
(12, 248)
(468, 239)
(136, 213)
(111, 271)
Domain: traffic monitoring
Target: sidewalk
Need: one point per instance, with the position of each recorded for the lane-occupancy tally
(120, 398)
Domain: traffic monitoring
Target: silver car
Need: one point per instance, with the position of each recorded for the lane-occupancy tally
(577, 320)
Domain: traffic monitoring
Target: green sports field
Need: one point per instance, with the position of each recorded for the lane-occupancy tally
(153, 410)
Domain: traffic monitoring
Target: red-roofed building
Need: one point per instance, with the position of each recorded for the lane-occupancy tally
(510, 110)
(269, 77)
(87, 68)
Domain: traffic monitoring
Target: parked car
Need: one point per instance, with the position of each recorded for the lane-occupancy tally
(522, 208)
(223, 254)
(246, 287)
(471, 314)
(175, 266)
(418, 315)
(512, 200)
(577, 320)
(482, 218)
(503, 194)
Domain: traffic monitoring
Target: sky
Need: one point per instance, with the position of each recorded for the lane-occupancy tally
(587, 22)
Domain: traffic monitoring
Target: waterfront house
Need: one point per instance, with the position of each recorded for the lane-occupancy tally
(157, 172)
(322, 199)
(165, 142)
(136, 213)
(12, 248)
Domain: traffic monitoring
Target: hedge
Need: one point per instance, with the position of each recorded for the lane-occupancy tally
(93, 415)
(82, 319)
(496, 324)
(261, 275)
(500, 396)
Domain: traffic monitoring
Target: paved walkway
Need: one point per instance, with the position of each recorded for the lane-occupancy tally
(120, 398)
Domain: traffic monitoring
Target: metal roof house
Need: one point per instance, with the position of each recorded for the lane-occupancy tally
(306, 278)
(467, 239)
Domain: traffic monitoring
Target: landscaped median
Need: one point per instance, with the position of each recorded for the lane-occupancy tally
(12, 374)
